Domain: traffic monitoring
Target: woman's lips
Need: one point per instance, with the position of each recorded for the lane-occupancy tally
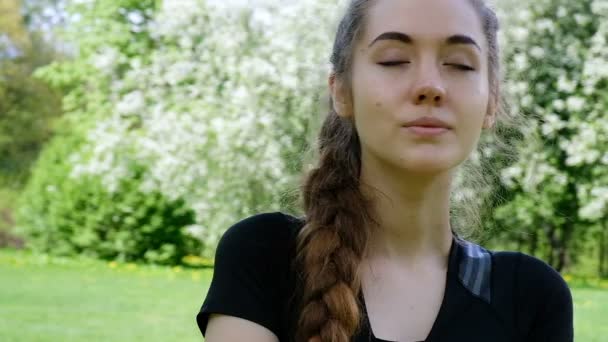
(427, 127)
(427, 131)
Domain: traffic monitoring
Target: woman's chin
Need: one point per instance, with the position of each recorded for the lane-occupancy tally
(426, 169)
(430, 163)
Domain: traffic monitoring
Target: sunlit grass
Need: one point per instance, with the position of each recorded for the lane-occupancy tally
(59, 299)
(591, 314)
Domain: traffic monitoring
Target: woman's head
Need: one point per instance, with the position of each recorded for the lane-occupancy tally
(398, 61)
(393, 62)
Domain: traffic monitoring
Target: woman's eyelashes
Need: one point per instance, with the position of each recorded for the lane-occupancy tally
(458, 66)
(462, 67)
(393, 63)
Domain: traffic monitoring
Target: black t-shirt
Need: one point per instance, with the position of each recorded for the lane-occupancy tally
(489, 296)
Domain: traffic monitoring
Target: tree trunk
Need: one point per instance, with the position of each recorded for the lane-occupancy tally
(520, 242)
(550, 232)
(603, 272)
(533, 243)
(563, 243)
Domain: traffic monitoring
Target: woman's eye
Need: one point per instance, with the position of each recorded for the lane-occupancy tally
(393, 63)
(462, 67)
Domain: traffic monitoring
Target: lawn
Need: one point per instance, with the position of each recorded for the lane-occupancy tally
(51, 299)
(590, 314)
(55, 299)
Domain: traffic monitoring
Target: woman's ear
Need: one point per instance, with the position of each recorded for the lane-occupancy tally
(340, 97)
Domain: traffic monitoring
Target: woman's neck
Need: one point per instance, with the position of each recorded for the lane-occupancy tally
(413, 215)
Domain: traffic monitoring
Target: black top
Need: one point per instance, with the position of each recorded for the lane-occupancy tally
(489, 296)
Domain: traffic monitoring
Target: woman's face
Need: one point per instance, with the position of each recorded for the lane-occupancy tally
(419, 60)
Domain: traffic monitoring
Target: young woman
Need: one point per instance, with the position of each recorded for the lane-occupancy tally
(414, 83)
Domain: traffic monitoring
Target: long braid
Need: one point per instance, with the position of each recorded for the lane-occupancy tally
(332, 242)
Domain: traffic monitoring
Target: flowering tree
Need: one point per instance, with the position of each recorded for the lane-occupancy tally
(210, 103)
(556, 62)
(218, 116)
(63, 214)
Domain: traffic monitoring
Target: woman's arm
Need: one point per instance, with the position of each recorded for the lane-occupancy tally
(222, 328)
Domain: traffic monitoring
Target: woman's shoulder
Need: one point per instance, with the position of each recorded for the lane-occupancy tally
(541, 295)
(259, 241)
(252, 276)
(537, 294)
(264, 230)
(530, 272)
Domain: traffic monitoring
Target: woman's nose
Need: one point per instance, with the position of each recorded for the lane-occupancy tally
(429, 95)
(428, 89)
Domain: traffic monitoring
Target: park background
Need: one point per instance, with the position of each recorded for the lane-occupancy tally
(133, 133)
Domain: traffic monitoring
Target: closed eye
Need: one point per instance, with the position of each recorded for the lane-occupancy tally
(462, 67)
(393, 63)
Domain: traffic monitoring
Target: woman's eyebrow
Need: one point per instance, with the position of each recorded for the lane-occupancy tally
(457, 39)
(402, 37)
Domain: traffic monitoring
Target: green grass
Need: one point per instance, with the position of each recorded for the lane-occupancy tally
(46, 299)
(590, 314)
(53, 299)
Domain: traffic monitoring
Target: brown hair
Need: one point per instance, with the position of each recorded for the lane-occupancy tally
(338, 217)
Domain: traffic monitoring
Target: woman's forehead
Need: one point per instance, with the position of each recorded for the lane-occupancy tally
(423, 20)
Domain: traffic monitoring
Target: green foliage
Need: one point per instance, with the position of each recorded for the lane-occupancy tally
(27, 106)
(67, 215)
(215, 117)
(116, 30)
(27, 109)
(557, 194)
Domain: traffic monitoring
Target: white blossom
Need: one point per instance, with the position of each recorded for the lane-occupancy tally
(131, 103)
(575, 103)
(537, 52)
(216, 111)
(106, 59)
(552, 124)
(565, 85)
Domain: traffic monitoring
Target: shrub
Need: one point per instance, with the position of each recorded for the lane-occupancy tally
(66, 215)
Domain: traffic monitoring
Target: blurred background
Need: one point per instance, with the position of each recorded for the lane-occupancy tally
(133, 133)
